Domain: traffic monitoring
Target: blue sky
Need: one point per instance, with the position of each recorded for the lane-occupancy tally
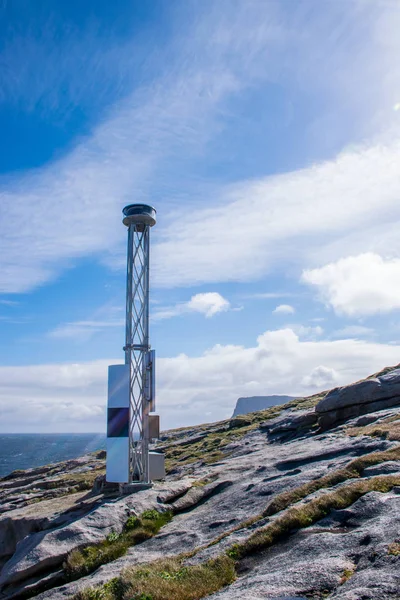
(266, 134)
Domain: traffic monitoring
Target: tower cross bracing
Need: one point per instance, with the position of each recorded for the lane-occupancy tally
(137, 347)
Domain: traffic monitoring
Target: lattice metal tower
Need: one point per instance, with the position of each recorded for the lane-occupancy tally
(139, 218)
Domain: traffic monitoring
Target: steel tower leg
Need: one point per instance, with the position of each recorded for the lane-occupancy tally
(136, 348)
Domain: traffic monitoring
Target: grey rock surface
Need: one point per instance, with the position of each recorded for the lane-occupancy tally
(344, 555)
(314, 561)
(256, 477)
(45, 549)
(290, 423)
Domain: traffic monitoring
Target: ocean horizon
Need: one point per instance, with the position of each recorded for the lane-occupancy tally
(29, 450)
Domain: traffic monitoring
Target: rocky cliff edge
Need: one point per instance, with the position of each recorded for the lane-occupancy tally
(298, 501)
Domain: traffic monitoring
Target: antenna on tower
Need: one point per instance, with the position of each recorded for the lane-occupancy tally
(131, 387)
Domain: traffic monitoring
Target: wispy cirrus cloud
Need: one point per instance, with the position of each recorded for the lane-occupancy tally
(151, 140)
(5, 302)
(357, 192)
(105, 317)
(42, 68)
(77, 200)
(82, 329)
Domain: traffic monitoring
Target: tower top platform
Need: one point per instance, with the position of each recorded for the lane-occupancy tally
(139, 214)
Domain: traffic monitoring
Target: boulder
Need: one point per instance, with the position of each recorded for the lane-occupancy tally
(370, 395)
(14, 530)
(291, 423)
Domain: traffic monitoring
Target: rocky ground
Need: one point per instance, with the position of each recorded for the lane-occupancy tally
(298, 501)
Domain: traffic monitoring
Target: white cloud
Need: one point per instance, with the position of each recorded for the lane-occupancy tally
(321, 377)
(306, 331)
(284, 309)
(354, 331)
(54, 397)
(358, 285)
(62, 397)
(268, 295)
(207, 303)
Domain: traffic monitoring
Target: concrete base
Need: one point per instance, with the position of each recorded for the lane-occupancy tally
(131, 488)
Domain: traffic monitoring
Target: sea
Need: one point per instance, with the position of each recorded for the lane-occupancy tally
(26, 450)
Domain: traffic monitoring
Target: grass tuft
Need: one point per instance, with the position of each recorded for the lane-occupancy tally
(166, 579)
(111, 590)
(394, 549)
(347, 574)
(150, 515)
(352, 470)
(202, 482)
(133, 522)
(305, 515)
(86, 560)
(305, 403)
(388, 429)
(92, 594)
(169, 580)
